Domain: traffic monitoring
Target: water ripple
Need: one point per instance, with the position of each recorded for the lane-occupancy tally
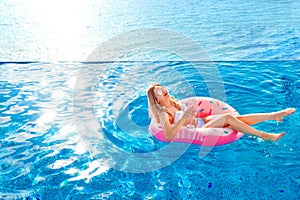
(43, 156)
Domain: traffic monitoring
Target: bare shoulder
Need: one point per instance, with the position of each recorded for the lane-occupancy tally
(163, 118)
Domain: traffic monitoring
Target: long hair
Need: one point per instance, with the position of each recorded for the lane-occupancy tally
(155, 108)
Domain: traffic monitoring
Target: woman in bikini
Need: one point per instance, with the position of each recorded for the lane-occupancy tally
(164, 108)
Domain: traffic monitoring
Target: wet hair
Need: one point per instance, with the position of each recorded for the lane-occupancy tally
(155, 108)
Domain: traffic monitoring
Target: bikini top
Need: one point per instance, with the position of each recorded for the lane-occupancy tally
(177, 116)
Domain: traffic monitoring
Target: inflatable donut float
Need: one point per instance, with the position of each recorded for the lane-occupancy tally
(205, 106)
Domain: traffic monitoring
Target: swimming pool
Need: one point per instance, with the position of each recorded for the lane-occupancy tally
(60, 139)
(43, 156)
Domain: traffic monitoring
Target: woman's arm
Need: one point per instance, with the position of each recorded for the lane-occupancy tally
(171, 130)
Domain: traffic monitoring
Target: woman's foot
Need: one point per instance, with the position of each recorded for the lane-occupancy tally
(278, 116)
(272, 136)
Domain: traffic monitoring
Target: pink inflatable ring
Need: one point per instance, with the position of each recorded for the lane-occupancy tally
(202, 136)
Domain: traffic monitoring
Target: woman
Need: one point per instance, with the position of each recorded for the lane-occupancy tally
(164, 109)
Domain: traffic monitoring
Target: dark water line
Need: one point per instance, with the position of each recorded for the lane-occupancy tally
(19, 62)
(147, 61)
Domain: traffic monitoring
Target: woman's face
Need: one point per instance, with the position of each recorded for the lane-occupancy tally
(161, 93)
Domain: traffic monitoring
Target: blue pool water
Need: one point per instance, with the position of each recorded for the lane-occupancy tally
(74, 129)
(43, 154)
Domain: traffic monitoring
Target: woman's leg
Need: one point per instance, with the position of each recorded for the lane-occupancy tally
(220, 121)
(260, 117)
